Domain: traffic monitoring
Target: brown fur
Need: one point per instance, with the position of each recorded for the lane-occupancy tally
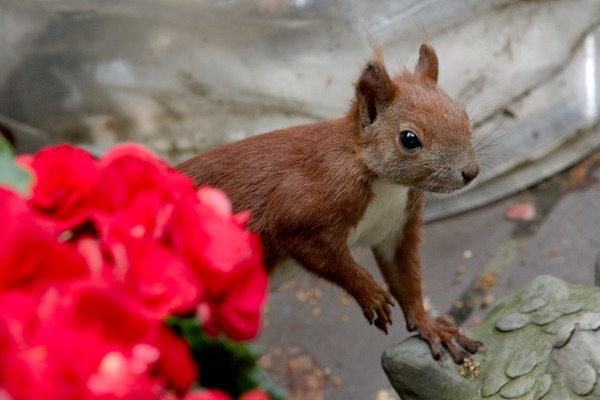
(308, 187)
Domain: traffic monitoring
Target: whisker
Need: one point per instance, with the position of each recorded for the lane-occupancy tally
(469, 93)
(498, 141)
(413, 206)
(489, 134)
(489, 166)
(428, 184)
(476, 104)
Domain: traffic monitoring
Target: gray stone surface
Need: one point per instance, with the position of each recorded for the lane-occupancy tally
(557, 356)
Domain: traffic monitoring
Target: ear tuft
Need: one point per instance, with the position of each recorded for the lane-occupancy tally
(374, 90)
(427, 68)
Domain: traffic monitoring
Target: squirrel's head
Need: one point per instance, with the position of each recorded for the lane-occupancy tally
(412, 133)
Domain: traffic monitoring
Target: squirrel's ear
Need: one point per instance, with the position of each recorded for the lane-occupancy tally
(374, 91)
(427, 67)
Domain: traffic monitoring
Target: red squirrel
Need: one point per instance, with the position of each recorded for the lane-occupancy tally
(316, 190)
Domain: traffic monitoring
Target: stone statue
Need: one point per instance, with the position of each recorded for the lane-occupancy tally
(542, 342)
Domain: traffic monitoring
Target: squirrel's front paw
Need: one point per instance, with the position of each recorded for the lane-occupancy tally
(376, 305)
(440, 332)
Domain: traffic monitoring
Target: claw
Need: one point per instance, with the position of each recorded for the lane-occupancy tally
(471, 345)
(438, 354)
(441, 331)
(381, 325)
(376, 307)
(456, 351)
(435, 345)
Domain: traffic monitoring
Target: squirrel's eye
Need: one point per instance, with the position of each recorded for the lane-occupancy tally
(409, 140)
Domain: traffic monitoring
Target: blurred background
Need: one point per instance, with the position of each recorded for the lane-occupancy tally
(184, 76)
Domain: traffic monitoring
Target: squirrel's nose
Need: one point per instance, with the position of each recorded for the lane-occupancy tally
(470, 173)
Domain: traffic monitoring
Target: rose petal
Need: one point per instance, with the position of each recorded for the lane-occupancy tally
(522, 211)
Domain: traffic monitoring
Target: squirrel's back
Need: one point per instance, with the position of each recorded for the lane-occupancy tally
(309, 173)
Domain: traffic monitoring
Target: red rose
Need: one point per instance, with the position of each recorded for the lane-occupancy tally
(155, 276)
(92, 342)
(135, 194)
(227, 260)
(30, 255)
(99, 256)
(65, 176)
(9, 345)
(129, 170)
(207, 394)
(237, 311)
(212, 241)
(255, 394)
(146, 217)
(12, 359)
(18, 311)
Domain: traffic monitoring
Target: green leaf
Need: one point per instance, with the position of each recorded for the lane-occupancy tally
(224, 364)
(10, 174)
(260, 378)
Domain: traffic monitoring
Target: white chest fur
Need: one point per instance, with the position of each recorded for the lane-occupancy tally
(385, 215)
